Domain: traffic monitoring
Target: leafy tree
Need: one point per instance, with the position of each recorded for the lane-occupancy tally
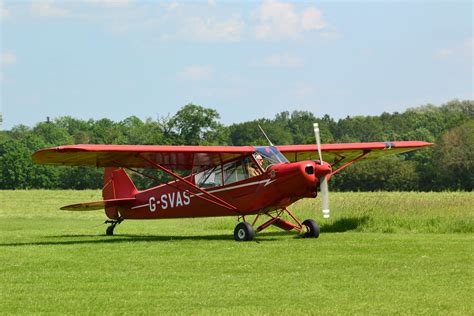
(80, 178)
(52, 134)
(390, 173)
(18, 171)
(454, 158)
(106, 131)
(448, 166)
(196, 125)
(138, 132)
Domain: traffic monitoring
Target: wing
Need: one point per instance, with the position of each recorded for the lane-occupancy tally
(98, 205)
(340, 154)
(171, 157)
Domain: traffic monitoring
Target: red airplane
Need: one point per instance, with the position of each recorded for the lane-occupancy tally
(222, 181)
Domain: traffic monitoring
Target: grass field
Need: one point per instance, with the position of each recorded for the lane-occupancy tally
(380, 253)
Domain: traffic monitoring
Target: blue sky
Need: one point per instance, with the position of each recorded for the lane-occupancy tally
(117, 58)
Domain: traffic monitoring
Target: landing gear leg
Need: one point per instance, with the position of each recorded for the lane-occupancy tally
(110, 230)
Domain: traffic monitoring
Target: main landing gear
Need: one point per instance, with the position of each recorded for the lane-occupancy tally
(114, 222)
(246, 232)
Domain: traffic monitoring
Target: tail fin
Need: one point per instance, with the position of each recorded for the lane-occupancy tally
(117, 185)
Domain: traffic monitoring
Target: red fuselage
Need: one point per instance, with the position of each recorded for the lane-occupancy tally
(279, 186)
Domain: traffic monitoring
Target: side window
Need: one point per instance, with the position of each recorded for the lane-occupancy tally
(209, 178)
(235, 171)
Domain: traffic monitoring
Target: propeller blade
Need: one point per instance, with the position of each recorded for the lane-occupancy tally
(323, 181)
(318, 141)
(323, 188)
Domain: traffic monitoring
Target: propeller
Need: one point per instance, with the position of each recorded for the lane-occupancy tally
(323, 181)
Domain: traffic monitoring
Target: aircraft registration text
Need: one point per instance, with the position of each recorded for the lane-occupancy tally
(169, 200)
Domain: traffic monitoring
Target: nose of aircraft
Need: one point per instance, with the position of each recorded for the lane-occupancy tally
(301, 179)
(322, 169)
(317, 168)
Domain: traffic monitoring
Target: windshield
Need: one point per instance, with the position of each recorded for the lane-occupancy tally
(271, 154)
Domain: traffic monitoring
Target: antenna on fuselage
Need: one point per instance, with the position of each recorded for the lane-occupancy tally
(269, 141)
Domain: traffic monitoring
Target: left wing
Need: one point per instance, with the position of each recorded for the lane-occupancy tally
(340, 154)
(132, 156)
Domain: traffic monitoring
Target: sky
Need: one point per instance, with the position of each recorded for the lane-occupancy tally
(246, 59)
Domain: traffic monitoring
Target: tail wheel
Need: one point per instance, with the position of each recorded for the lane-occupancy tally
(110, 230)
(312, 229)
(244, 232)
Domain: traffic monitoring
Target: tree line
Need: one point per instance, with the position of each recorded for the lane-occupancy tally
(446, 166)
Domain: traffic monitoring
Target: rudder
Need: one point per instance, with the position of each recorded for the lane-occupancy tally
(117, 184)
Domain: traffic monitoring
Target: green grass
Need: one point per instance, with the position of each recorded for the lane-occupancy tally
(380, 253)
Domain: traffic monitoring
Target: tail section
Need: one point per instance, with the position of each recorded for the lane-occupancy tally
(117, 185)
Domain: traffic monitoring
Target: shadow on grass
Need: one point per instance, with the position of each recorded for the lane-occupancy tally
(340, 225)
(121, 238)
(345, 224)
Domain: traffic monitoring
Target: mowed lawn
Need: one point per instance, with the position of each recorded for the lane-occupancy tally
(380, 253)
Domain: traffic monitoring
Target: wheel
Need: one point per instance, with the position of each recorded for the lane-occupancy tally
(110, 230)
(313, 229)
(244, 232)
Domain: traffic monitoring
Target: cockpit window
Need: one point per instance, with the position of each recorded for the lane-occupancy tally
(241, 169)
(234, 171)
(271, 155)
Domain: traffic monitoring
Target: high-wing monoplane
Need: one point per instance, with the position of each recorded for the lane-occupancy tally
(222, 180)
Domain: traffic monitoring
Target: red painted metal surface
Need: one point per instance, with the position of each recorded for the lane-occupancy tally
(249, 196)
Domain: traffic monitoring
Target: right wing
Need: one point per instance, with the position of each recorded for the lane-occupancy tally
(340, 154)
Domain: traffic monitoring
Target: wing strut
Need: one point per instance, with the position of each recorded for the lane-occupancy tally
(366, 152)
(175, 187)
(217, 200)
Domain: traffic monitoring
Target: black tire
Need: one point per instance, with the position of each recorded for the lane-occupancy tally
(110, 230)
(313, 229)
(244, 232)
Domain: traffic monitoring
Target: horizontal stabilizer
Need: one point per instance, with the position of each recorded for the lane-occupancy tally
(98, 205)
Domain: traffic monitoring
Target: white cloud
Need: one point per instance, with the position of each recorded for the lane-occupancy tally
(170, 6)
(302, 90)
(109, 3)
(47, 8)
(366, 52)
(330, 35)
(283, 60)
(4, 12)
(8, 58)
(444, 53)
(312, 19)
(196, 72)
(279, 20)
(211, 29)
(469, 45)
(464, 49)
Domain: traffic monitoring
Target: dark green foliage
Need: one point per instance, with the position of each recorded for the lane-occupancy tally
(196, 125)
(454, 158)
(390, 173)
(447, 166)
